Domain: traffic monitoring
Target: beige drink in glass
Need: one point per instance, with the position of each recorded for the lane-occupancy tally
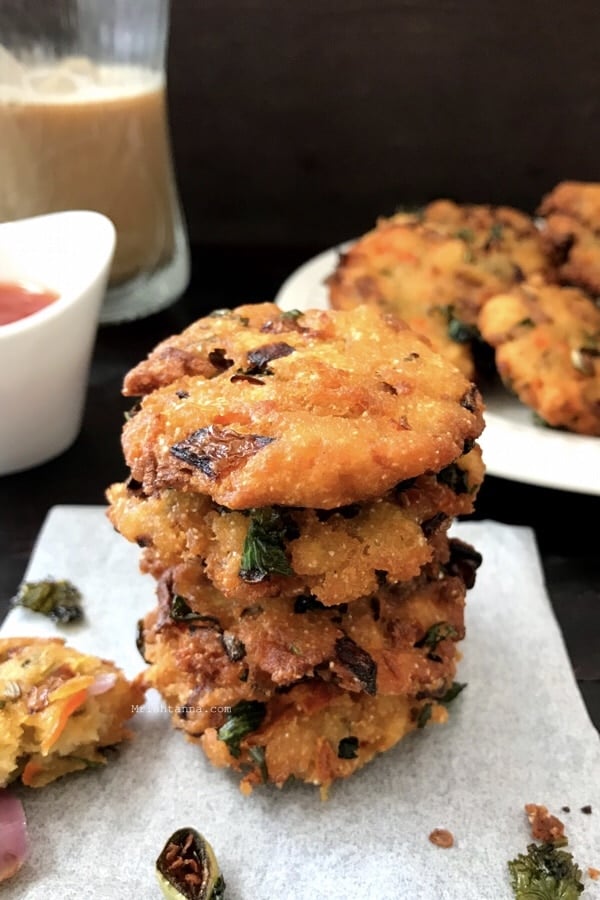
(83, 132)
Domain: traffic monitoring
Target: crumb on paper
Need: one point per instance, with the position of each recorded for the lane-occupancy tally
(587, 810)
(566, 809)
(594, 873)
(544, 826)
(441, 837)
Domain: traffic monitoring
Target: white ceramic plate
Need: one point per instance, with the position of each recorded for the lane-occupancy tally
(513, 447)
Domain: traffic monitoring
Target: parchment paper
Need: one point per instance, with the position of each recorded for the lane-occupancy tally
(519, 733)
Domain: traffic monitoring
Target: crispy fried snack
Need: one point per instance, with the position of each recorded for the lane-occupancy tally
(58, 709)
(326, 673)
(436, 269)
(319, 409)
(571, 232)
(337, 555)
(416, 272)
(547, 341)
(502, 240)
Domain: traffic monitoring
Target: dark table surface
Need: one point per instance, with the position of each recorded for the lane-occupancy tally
(565, 523)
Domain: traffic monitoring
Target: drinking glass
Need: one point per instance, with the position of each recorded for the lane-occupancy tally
(84, 125)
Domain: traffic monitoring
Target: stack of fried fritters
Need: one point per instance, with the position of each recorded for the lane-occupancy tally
(293, 479)
(473, 277)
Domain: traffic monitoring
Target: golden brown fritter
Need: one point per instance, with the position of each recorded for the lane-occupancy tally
(413, 270)
(298, 664)
(337, 555)
(319, 409)
(547, 341)
(58, 709)
(503, 241)
(571, 232)
(436, 269)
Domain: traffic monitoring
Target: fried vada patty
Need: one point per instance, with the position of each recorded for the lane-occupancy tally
(58, 709)
(208, 655)
(437, 268)
(571, 232)
(317, 410)
(337, 555)
(412, 270)
(502, 240)
(547, 341)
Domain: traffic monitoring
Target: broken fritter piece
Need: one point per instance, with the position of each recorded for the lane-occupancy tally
(547, 341)
(58, 709)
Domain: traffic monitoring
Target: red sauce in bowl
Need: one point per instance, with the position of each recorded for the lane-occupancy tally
(17, 301)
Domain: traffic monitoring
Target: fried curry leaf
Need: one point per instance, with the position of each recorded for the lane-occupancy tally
(452, 693)
(424, 715)
(180, 611)
(60, 600)
(545, 872)
(455, 478)
(187, 868)
(257, 754)
(359, 662)
(348, 747)
(441, 631)
(244, 718)
(216, 451)
(264, 547)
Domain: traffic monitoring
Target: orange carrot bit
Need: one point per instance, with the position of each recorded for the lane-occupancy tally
(30, 771)
(61, 713)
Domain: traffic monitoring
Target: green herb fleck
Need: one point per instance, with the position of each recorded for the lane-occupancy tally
(180, 611)
(496, 234)
(348, 748)
(59, 600)
(545, 873)
(455, 478)
(257, 754)
(424, 715)
(452, 693)
(465, 234)
(461, 332)
(244, 718)
(264, 547)
(526, 323)
(291, 315)
(441, 631)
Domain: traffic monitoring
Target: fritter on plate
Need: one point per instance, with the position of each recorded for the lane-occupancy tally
(319, 409)
(337, 555)
(293, 660)
(414, 271)
(547, 341)
(436, 269)
(502, 240)
(58, 709)
(571, 232)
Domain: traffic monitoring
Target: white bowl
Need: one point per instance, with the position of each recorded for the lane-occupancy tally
(45, 357)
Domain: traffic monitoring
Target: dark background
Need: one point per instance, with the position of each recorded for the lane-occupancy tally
(301, 122)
